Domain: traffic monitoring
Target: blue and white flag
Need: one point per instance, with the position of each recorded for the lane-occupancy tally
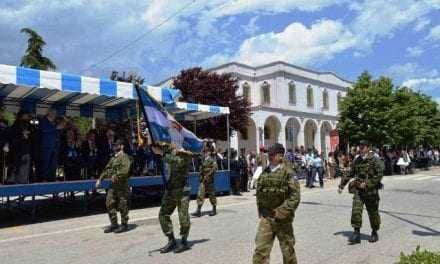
(164, 128)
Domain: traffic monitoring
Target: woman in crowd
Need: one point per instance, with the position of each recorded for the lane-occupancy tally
(403, 162)
(70, 156)
(331, 165)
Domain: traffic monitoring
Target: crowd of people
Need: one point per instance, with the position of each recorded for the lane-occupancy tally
(314, 166)
(50, 148)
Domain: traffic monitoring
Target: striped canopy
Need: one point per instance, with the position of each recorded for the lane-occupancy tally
(25, 84)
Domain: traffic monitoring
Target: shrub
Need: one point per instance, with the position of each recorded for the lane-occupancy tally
(420, 257)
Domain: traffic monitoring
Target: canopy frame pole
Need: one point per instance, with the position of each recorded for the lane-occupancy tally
(229, 142)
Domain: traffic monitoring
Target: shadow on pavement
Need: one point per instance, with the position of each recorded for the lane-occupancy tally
(191, 243)
(347, 234)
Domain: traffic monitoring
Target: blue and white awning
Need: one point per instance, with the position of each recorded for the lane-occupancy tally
(21, 83)
(25, 84)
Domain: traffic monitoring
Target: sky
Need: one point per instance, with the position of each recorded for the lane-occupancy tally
(158, 38)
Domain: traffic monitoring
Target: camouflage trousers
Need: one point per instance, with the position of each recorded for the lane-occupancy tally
(268, 229)
(117, 200)
(206, 189)
(371, 202)
(170, 201)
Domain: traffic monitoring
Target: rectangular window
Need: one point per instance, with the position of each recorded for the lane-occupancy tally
(310, 97)
(292, 94)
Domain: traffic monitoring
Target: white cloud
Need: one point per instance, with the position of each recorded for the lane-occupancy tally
(208, 12)
(297, 44)
(407, 71)
(423, 84)
(434, 34)
(414, 51)
(421, 24)
(378, 19)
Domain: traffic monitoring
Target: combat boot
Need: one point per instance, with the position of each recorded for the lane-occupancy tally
(170, 246)
(214, 210)
(122, 228)
(198, 212)
(183, 246)
(111, 228)
(374, 237)
(355, 237)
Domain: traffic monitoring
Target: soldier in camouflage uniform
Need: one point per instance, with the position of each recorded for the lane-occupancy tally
(176, 195)
(366, 172)
(206, 187)
(118, 169)
(278, 197)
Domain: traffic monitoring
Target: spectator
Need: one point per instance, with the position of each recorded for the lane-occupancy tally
(403, 162)
(49, 132)
(20, 147)
(89, 155)
(235, 173)
(4, 148)
(309, 167)
(318, 168)
(331, 165)
(106, 149)
(244, 172)
(70, 156)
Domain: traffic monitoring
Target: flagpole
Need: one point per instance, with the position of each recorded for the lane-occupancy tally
(162, 171)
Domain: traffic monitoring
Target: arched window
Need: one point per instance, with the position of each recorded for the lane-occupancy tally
(309, 96)
(266, 132)
(247, 91)
(265, 91)
(245, 134)
(292, 93)
(339, 100)
(325, 99)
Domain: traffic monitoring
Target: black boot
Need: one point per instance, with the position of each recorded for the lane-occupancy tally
(170, 246)
(374, 237)
(198, 213)
(111, 228)
(183, 246)
(355, 237)
(122, 228)
(214, 210)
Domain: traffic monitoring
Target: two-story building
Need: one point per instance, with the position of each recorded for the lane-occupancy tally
(289, 105)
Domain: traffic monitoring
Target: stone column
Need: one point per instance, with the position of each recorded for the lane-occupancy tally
(317, 142)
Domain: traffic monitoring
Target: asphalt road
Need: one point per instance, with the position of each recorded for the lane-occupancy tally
(410, 211)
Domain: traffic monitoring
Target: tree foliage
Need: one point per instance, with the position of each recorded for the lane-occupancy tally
(33, 58)
(203, 87)
(378, 111)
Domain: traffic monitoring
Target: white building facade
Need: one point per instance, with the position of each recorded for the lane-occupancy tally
(289, 105)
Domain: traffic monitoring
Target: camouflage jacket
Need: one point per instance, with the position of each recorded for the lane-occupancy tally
(208, 170)
(278, 191)
(178, 170)
(368, 169)
(119, 168)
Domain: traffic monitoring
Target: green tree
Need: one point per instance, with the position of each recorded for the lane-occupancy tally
(33, 58)
(365, 111)
(203, 87)
(383, 114)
